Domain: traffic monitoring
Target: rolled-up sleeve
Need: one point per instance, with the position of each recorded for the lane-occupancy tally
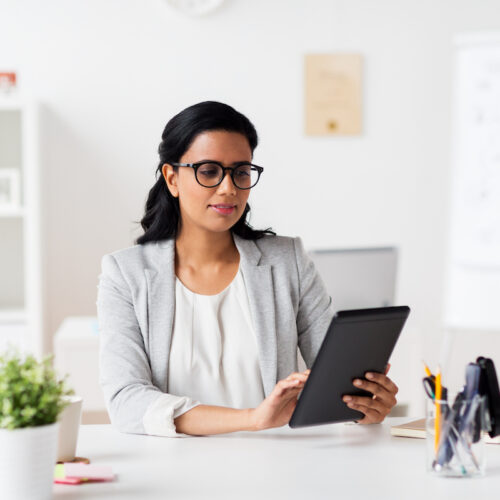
(315, 310)
(134, 404)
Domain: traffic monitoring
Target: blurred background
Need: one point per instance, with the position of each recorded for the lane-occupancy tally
(97, 80)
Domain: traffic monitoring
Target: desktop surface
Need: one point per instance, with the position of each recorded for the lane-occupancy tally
(343, 461)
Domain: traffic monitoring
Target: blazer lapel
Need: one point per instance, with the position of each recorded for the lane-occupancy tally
(161, 308)
(259, 284)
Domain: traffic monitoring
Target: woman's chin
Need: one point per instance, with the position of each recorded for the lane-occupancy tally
(222, 224)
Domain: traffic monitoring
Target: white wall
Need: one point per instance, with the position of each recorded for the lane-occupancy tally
(110, 73)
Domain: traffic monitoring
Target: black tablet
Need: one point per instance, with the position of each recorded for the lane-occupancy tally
(357, 341)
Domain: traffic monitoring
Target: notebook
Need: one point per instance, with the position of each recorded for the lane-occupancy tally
(416, 429)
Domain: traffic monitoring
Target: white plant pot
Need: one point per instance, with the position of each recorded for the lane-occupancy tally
(27, 459)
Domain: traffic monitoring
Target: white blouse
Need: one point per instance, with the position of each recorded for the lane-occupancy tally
(213, 356)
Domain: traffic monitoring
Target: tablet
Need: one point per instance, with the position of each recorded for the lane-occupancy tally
(357, 341)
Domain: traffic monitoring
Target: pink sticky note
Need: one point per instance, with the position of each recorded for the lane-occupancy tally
(89, 471)
(67, 480)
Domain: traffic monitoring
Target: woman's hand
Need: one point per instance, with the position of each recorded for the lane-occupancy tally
(377, 407)
(276, 410)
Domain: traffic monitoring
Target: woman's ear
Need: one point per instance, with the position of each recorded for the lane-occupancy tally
(170, 176)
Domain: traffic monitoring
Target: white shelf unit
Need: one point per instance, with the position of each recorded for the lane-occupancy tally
(9, 213)
(21, 317)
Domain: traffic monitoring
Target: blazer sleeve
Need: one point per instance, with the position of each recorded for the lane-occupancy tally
(134, 404)
(315, 310)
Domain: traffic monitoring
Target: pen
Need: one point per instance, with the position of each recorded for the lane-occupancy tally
(437, 420)
(449, 436)
(447, 445)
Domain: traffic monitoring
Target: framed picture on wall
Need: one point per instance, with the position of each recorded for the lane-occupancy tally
(9, 189)
(333, 94)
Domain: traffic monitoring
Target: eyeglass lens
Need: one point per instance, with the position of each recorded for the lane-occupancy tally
(210, 174)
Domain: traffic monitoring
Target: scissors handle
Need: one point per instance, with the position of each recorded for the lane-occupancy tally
(430, 388)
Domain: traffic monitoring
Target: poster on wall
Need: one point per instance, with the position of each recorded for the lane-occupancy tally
(333, 94)
(473, 275)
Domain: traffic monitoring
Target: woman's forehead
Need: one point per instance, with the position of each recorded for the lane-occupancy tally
(219, 145)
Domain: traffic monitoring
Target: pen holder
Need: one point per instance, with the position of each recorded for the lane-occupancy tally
(455, 441)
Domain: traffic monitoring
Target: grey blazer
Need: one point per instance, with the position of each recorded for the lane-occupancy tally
(136, 304)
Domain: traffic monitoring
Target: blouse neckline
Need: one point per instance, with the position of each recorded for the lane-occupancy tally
(213, 296)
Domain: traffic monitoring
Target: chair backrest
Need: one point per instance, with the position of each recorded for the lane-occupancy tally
(360, 277)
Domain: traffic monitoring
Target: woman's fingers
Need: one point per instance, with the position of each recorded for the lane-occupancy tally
(286, 385)
(381, 393)
(377, 407)
(361, 403)
(304, 373)
(371, 416)
(373, 410)
(382, 380)
(298, 376)
(278, 407)
(295, 381)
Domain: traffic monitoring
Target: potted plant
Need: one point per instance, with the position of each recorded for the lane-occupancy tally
(31, 398)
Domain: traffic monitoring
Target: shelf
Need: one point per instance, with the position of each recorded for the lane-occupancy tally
(10, 103)
(16, 212)
(12, 316)
(21, 313)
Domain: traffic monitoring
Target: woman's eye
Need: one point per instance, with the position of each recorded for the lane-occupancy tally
(242, 172)
(209, 172)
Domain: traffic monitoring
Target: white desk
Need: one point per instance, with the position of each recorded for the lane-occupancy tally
(332, 462)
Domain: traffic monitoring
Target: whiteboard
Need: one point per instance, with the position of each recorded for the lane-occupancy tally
(473, 275)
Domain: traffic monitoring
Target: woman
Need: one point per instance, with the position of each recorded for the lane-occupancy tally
(200, 321)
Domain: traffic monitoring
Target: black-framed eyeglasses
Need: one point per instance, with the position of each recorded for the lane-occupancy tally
(211, 173)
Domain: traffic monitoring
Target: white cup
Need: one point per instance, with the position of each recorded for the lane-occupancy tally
(69, 425)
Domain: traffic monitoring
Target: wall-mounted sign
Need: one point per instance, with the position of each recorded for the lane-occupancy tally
(333, 94)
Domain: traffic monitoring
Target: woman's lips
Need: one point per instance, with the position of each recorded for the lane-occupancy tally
(223, 209)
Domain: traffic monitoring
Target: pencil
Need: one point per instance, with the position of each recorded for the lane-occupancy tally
(437, 401)
(426, 368)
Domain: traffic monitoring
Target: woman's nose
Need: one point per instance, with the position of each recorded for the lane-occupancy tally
(227, 185)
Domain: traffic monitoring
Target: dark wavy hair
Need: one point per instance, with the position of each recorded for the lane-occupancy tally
(162, 214)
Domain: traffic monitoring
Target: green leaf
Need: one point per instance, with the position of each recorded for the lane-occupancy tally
(30, 393)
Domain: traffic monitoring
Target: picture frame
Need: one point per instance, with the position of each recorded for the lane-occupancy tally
(10, 199)
(333, 88)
